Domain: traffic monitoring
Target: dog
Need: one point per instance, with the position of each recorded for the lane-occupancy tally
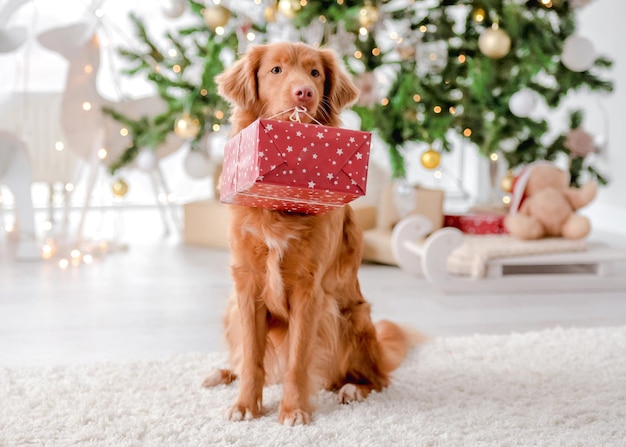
(297, 315)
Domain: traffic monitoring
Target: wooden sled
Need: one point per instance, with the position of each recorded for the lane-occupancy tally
(589, 270)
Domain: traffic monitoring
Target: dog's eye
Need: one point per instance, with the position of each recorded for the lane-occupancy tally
(315, 73)
(276, 70)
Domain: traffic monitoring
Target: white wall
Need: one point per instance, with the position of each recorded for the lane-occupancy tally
(602, 22)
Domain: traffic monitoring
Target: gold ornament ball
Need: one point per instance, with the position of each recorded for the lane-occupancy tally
(368, 15)
(216, 16)
(479, 15)
(431, 159)
(494, 43)
(507, 183)
(187, 126)
(406, 51)
(289, 7)
(119, 188)
(270, 14)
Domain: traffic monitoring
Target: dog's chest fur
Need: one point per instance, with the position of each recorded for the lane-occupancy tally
(285, 246)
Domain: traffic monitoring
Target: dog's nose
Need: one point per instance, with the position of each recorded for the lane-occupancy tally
(303, 93)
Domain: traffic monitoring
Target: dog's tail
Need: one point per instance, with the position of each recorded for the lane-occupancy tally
(395, 341)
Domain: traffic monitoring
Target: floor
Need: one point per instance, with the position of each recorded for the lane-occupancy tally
(162, 297)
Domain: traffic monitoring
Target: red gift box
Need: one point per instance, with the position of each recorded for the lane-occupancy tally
(476, 223)
(294, 167)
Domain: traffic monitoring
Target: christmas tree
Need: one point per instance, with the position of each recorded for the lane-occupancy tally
(429, 71)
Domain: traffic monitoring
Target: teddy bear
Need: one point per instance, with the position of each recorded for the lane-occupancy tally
(544, 204)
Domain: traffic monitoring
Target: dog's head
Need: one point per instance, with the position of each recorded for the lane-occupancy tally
(270, 79)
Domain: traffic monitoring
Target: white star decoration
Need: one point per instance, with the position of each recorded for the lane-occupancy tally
(320, 135)
(339, 151)
(311, 184)
(359, 155)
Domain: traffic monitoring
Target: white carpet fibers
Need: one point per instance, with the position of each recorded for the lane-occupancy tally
(558, 387)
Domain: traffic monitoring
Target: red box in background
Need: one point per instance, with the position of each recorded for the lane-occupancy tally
(293, 167)
(478, 223)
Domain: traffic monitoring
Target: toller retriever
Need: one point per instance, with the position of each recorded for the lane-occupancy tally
(297, 315)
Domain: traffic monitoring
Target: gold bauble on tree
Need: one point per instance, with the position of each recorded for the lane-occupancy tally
(478, 15)
(289, 7)
(215, 16)
(368, 16)
(507, 182)
(494, 42)
(187, 126)
(270, 13)
(406, 51)
(431, 159)
(119, 188)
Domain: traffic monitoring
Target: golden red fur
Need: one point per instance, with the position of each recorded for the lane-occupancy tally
(297, 314)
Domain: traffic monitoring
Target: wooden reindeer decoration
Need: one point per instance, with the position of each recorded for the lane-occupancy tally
(87, 129)
(15, 168)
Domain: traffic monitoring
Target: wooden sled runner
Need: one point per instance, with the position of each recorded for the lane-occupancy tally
(592, 269)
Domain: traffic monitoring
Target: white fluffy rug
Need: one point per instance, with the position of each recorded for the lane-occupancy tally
(562, 387)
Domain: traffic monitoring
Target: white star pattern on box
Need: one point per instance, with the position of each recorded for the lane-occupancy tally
(262, 169)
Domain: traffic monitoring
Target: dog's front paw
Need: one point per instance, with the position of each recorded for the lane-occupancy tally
(242, 413)
(219, 377)
(350, 393)
(294, 417)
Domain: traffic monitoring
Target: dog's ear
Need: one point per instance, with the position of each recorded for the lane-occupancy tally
(339, 89)
(239, 83)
